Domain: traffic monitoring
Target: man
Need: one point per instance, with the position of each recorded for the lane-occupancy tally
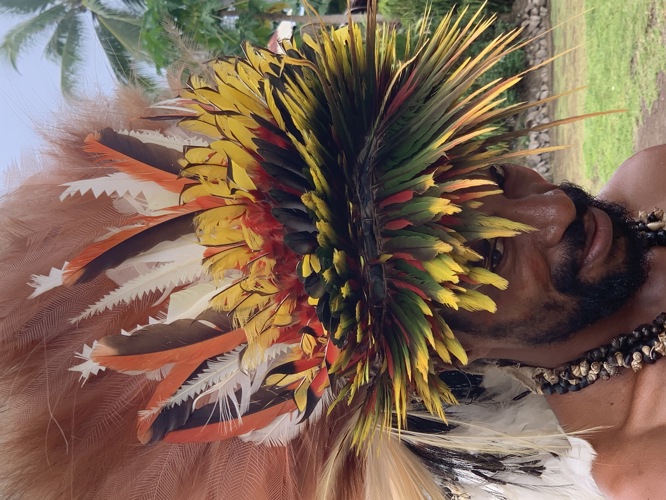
(256, 301)
(537, 324)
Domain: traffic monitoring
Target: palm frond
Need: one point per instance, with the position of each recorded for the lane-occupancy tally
(122, 59)
(70, 32)
(21, 36)
(23, 7)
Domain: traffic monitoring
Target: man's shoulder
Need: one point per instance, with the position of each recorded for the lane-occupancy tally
(631, 467)
(640, 181)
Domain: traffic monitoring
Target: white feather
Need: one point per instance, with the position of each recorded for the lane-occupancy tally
(225, 394)
(172, 105)
(288, 426)
(222, 380)
(163, 267)
(175, 140)
(191, 302)
(222, 371)
(163, 278)
(170, 251)
(88, 367)
(42, 283)
(277, 433)
(228, 378)
(183, 249)
(122, 185)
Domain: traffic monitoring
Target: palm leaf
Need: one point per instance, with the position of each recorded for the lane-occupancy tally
(139, 5)
(70, 31)
(23, 6)
(122, 59)
(21, 36)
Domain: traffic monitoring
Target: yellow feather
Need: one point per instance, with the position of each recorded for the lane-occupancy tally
(233, 258)
(454, 347)
(232, 150)
(486, 277)
(200, 127)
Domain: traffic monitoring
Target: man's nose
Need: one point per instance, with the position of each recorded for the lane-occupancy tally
(549, 211)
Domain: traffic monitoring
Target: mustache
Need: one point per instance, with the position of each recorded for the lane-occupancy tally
(574, 236)
(565, 275)
(581, 199)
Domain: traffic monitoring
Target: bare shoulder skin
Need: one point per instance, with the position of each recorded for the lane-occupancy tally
(628, 411)
(631, 453)
(640, 180)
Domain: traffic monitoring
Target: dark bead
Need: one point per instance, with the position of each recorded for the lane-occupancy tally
(560, 389)
(652, 217)
(661, 238)
(604, 350)
(642, 226)
(574, 388)
(656, 329)
(548, 390)
(596, 355)
(645, 329)
(584, 382)
(649, 359)
(661, 319)
(566, 374)
(651, 237)
(615, 343)
(628, 359)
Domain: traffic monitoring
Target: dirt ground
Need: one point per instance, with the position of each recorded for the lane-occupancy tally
(652, 131)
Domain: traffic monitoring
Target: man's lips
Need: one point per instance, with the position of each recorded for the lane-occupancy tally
(599, 231)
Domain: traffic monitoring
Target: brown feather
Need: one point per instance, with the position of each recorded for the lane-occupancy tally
(160, 157)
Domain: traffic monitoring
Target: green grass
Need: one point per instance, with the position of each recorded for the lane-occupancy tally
(624, 51)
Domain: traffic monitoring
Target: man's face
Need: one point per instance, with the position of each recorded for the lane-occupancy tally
(581, 264)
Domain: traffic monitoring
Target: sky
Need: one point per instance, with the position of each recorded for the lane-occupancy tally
(34, 94)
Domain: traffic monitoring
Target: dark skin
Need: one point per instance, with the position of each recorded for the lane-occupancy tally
(629, 409)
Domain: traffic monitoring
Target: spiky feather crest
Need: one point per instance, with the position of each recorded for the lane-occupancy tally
(340, 182)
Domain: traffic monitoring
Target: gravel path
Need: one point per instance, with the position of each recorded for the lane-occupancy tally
(534, 17)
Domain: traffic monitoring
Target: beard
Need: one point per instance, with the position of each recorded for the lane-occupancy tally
(590, 301)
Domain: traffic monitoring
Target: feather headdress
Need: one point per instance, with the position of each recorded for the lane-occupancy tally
(282, 261)
(335, 182)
